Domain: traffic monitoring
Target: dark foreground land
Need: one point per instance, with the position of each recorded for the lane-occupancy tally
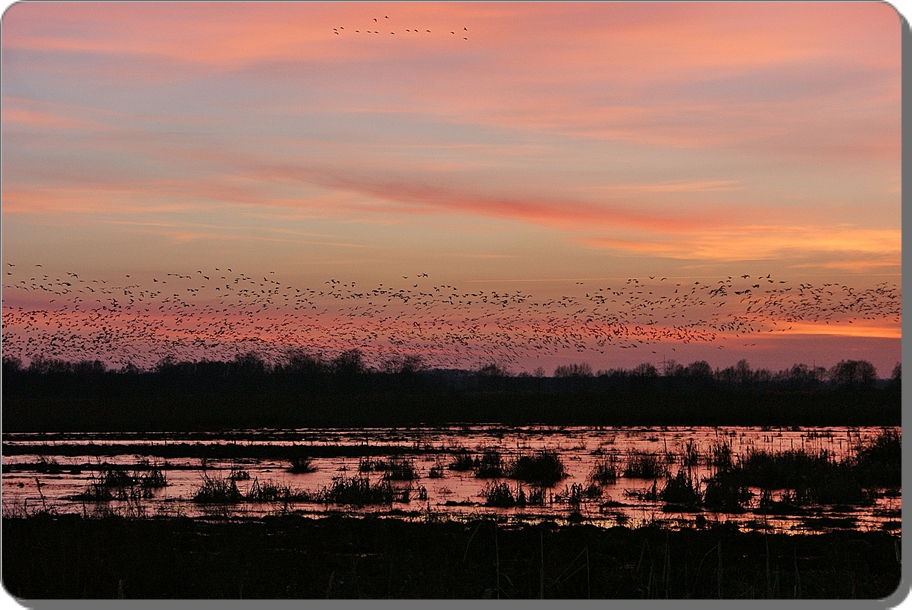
(54, 557)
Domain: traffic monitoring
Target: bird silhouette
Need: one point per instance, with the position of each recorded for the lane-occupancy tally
(83, 317)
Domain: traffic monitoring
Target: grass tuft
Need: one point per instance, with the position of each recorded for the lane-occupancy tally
(217, 491)
(606, 470)
(356, 491)
(642, 465)
(490, 466)
(301, 465)
(544, 469)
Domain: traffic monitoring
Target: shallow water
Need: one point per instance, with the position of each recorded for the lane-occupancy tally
(455, 495)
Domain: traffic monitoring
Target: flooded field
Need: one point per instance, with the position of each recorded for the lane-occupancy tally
(771, 479)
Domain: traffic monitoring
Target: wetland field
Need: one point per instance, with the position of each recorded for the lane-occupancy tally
(217, 480)
(460, 510)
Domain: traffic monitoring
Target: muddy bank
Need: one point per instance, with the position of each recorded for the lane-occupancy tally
(294, 557)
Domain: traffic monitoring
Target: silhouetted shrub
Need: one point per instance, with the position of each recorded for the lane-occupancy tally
(641, 465)
(879, 460)
(217, 491)
(722, 492)
(462, 462)
(490, 466)
(680, 489)
(545, 468)
(356, 491)
(605, 471)
(301, 465)
(498, 495)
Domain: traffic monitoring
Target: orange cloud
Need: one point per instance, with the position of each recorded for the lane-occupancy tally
(726, 242)
(853, 328)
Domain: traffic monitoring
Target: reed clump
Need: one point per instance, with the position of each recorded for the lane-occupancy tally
(94, 493)
(790, 468)
(681, 490)
(879, 460)
(366, 464)
(593, 491)
(690, 453)
(356, 491)
(572, 494)
(724, 492)
(239, 474)
(395, 469)
(153, 479)
(544, 469)
(720, 455)
(46, 465)
(462, 461)
(400, 470)
(217, 491)
(643, 465)
(805, 478)
(606, 470)
(118, 484)
(490, 465)
(789, 503)
(115, 477)
(535, 497)
(301, 465)
(498, 495)
(268, 491)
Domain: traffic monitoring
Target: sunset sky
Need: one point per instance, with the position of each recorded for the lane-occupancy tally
(547, 148)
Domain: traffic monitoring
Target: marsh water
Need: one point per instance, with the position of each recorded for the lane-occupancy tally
(55, 471)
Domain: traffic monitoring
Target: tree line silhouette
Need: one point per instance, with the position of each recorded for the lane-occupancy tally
(305, 389)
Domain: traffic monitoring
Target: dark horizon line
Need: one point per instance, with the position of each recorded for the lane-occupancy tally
(352, 362)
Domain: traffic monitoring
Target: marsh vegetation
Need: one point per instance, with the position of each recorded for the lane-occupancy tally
(772, 479)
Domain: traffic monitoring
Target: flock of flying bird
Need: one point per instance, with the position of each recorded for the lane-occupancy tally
(220, 313)
(384, 22)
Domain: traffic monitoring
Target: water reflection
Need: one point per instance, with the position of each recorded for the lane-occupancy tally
(610, 476)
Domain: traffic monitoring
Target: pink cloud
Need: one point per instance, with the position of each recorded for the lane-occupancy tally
(746, 83)
(43, 120)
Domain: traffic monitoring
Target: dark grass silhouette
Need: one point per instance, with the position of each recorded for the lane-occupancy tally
(544, 469)
(294, 557)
